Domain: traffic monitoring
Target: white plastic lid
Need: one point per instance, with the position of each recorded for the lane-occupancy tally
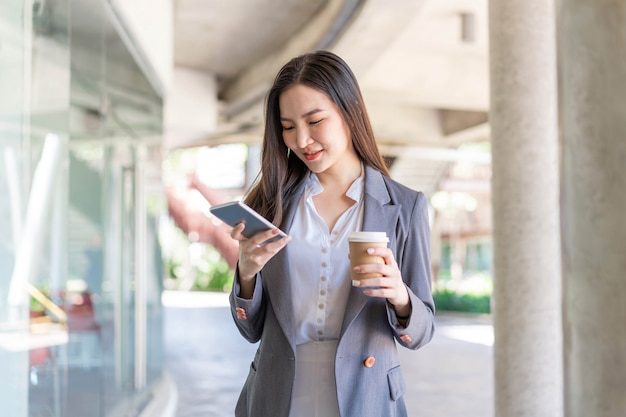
(368, 237)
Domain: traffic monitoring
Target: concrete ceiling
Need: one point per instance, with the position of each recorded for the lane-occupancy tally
(422, 66)
(227, 36)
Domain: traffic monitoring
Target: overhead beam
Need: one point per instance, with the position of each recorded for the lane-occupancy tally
(250, 88)
(475, 134)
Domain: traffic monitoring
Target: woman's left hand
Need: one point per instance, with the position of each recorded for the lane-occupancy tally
(389, 285)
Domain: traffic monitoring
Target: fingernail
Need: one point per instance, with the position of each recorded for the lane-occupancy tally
(356, 283)
(370, 250)
(357, 268)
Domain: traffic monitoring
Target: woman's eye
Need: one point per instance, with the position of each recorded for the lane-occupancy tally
(286, 128)
(315, 122)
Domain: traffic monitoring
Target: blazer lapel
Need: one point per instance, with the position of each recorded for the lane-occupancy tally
(379, 215)
(276, 276)
(278, 287)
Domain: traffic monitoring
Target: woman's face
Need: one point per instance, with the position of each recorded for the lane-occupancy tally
(315, 130)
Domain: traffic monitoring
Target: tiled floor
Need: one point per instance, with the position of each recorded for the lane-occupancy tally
(208, 360)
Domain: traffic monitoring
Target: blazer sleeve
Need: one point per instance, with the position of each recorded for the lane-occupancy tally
(249, 315)
(414, 262)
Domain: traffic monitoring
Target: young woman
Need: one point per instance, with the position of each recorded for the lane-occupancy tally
(328, 345)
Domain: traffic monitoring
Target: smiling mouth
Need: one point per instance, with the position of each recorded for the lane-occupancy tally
(311, 156)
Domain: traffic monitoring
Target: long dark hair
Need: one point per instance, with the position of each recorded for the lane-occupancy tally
(282, 171)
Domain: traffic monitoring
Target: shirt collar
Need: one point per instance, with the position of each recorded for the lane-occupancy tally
(314, 187)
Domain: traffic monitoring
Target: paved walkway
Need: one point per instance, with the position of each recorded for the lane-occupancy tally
(452, 376)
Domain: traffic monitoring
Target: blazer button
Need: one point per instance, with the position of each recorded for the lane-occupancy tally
(241, 314)
(369, 362)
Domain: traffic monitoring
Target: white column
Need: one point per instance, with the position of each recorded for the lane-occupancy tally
(190, 108)
(525, 184)
(592, 78)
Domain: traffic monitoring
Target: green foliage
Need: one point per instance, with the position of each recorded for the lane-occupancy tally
(213, 273)
(450, 300)
(471, 294)
(36, 306)
(192, 265)
(172, 268)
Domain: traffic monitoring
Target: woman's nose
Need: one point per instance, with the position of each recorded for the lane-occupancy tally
(303, 138)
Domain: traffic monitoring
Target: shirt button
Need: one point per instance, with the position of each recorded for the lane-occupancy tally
(319, 332)
(322, 292)
(323, 278)
(320, 321)
(369, 362)
(323, 250)
(324, 264)
(321, 306)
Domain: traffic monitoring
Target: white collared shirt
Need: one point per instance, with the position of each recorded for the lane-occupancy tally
(320, 267)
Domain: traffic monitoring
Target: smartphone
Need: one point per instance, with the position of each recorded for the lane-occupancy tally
(235, 212)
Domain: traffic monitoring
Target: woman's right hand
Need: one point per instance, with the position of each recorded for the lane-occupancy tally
(252, 256)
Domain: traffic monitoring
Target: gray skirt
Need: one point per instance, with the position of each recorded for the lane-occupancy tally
(315, 389)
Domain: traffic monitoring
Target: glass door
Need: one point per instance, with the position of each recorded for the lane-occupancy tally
(119, 288)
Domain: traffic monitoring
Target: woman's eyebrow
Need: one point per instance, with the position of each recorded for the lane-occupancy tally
(307, 114)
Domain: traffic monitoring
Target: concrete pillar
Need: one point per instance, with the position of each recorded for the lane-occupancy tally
(190, 108)
(592, 94)
(525, 186)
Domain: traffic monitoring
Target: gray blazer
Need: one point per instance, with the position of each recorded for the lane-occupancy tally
(370, 328)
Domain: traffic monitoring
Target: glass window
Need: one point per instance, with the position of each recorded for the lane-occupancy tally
(79, 335)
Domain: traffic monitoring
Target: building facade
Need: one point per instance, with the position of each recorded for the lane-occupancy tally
(80, 263)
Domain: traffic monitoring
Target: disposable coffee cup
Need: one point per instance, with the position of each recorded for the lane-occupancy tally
(359, 243)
